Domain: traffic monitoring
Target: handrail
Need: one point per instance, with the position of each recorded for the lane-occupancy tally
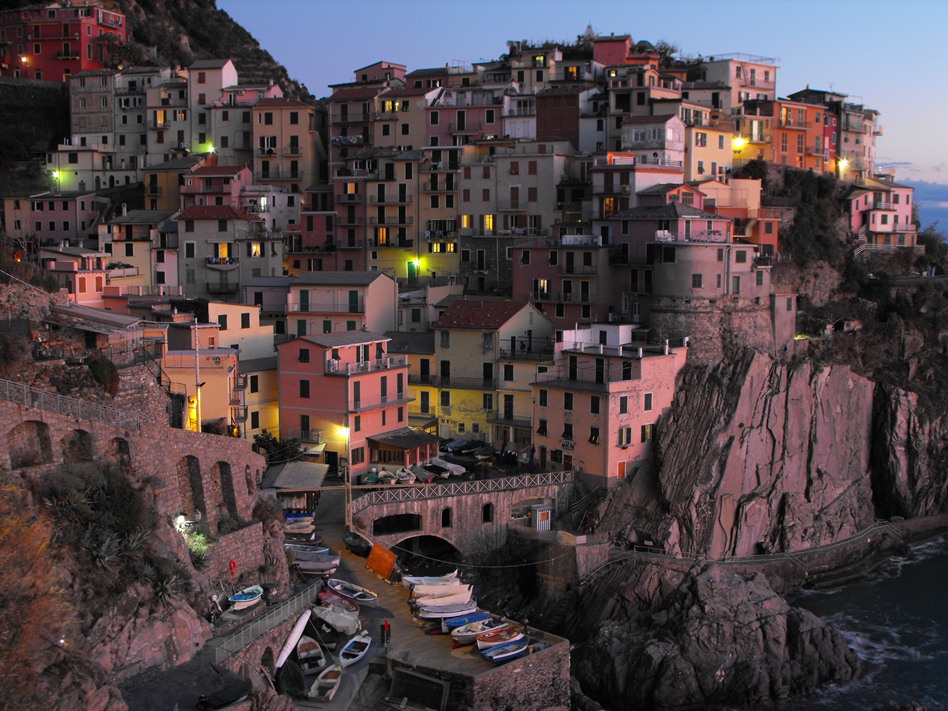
(69, 406)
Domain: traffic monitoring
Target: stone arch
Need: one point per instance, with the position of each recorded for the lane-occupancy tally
(268, 660)
(77, 446)
(436, 554)
(487, 513)
(446, 516)
(29, 444)
(399, 523)
(118, 450)
(222, 473)
(248, 480)
(191, 485)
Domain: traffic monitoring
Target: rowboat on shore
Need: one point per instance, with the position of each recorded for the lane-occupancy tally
(326, 684)
(338, 619)
(439, 590)
(447, 579)
(248, 597)
(316, 563)
(314, 547)
(310, 655)
(467, 634)
(437, 612)
(460, 597)
(327, 598)
(351, 591)
(450, 623)
(355, 649)
(500, 635)
(513, 650)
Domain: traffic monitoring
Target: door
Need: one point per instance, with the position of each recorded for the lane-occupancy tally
(573, 368)
(412, 271)
(570, 262)
(445, 373)
(425, 371)
(488, 375)
(508, 407)
(620, 474)
(304, 300)
(353, 302)
(600, 370)
(462, 121)
(356, 395)
(301, 327)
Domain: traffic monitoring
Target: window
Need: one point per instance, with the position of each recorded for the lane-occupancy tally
(254, 420)
(567, 401)
(357, 456)
(222, 321)
(304, 355)
(543, 398)
(487, 402)
(357, 423)
(254, 383)
(647, 402)
(593, 435)
(245, 320)
(434, 118)
(294, 118)
(304, 388)
(625, 436)
(445, 398)
(508, 372)
(446, 518)
(696, 281)
(568, 430)
(487, 513)
(594, 405)
(541, 427)
(445, 339)
(736, 285)
(461, 427)
(648, 432)
(623, 405)
(740, 256)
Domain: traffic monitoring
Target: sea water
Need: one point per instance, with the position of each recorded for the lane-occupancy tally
(897, 621)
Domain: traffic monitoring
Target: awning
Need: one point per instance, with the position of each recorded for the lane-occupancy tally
(405, 438)
(294, 476)
(422, 422)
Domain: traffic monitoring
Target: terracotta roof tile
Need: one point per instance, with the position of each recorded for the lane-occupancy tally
(479, 314)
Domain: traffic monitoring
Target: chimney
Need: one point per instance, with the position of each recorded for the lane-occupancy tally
(124, 208)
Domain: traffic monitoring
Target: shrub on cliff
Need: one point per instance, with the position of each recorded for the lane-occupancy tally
(814, 233)
(105, 373)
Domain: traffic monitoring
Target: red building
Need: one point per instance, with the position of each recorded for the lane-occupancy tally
(53, 41)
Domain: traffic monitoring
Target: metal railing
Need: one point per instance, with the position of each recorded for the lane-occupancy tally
(68, 406)
(255, 629)
(424, 492)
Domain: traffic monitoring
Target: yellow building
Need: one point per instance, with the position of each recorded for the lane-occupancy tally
(708, 152)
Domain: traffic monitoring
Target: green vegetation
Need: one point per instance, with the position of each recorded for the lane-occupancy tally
(277, 450)
(105, 373)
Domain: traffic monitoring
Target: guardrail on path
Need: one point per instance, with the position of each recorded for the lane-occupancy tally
(68, 406)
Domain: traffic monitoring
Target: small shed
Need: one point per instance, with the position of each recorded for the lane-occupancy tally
(294, 485)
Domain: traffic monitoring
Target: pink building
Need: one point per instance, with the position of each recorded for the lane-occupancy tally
(595, 410)
(215, 185)
(880, 214)
(81, 272)
(344, 392)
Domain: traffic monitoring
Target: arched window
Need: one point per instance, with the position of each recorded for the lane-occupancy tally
(446, 518)
(487, 513)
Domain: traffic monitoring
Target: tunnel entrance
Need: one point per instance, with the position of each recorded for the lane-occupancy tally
(426, 555)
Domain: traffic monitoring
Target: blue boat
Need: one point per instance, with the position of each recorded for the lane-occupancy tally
(513, 650)
(452, 622)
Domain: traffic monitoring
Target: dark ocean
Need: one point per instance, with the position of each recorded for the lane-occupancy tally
(897, 621)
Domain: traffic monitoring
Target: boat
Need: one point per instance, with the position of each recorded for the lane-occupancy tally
(326, 684)
(351, 591)
(437, 612)
(321, 563)
(447, 578)
(448, 587)
(405, 476)
(229, 693)
(328, 598)
(337, 618)
(484, 453)
(355, 649)
(291, 641)
(467, 634)
(303, 527)
(356, 543)
(305, 548)
(248, 597)
(310, 655)
(500, 635)
(441, 469)
(461, 620)
(512, 650)
(459, 597)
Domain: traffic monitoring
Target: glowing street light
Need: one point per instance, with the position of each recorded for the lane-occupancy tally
(738, 143)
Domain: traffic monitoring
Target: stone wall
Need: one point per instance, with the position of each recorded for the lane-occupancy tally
(539, 681)
(244, 547)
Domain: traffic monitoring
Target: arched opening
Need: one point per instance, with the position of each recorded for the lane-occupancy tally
(77, 446)
(118, 451)
(267, 661)
(29, 444)
(487, 513)
(248, 480)
(426, 555)
(191, 486)
(222, 470)
(446, 517)
(398, 523)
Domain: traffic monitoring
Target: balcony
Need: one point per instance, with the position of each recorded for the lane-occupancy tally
(326, 308)
(447, 381)
(344, 220)
(439, 188)
(392, 220)
(351, 244)
(308, 436)
(582, 270)
(440, 167)
(508, 418)
(223, 264)
(383, 401)
(327, 248)
(160, 125)
(881, 206)
(513, 206)
(347, 119)
(343, 198)
(390, 199)
(337, 367)
(527, 354)
(795, 124)
(419, 379)
(70, 55)
(465, 127)
(392, 244)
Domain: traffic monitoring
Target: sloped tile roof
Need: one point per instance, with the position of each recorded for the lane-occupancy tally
(478, 314)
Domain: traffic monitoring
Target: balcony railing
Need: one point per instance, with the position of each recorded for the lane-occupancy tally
(577, 269)
(392, 244)
(383, 401)
(419, 379)
(392, 220)
(508, 418)
(446, 381)
(390, 199)
(527, 353)
(308, 436)
(513, 205)
(326, 308)
(337, 367)
(350, 220)
(467, 127)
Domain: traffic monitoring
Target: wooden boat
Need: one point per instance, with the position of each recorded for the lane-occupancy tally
(248, 597)
(513, 650)
(310, 655)
(405, 476)
(461, 620)
(320, 563)
(355, 649)
(328, 598)
(501, 635)
(467, 634)
(460, 597)
(439, 590)
(356, 543)
(437, 612)
(351, 591)
(299, 527)
(446, 579)
(305, 548)
(326, 684)
(337, 618)
(290, 645)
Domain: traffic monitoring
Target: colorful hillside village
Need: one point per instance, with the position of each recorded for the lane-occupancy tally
(507, 252)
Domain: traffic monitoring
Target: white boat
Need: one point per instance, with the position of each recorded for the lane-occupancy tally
(405, 476)
(437, 612)
(467, 634)
(447, 578)
(248, 597)
(457, 598)
(299, 527)
(337, 618)
(351, 591)
(294, 637)
(355, 649)
(295, 548)
(310, 655)
(442, 469)
(500, 635)
(326, 684)
(513, 649)
(315, 562)
(451, 587)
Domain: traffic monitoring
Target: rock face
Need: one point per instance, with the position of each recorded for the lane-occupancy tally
(719, 638)
(760, 456)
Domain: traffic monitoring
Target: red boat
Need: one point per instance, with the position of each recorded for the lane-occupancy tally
(328, 597)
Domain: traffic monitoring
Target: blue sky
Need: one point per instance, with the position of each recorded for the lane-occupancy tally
(888, 55)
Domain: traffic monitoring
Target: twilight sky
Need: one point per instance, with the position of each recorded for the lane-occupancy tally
(878, 52)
